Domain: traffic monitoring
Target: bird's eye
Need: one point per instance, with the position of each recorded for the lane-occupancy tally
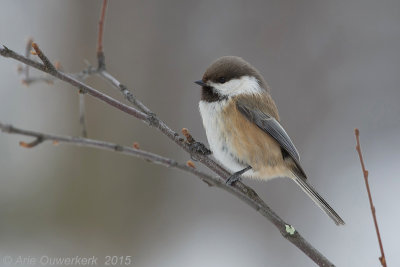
(221, 80)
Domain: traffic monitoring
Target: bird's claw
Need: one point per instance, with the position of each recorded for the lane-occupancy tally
(233, 179)
(236, 177)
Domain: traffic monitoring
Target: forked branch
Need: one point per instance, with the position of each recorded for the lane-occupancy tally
(240, 190)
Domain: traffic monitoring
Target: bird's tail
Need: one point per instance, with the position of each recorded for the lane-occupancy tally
(313, 194)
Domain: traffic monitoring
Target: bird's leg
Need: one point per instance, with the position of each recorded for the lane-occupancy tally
(236, 176)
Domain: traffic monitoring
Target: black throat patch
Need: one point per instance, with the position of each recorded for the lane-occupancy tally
(208, 94)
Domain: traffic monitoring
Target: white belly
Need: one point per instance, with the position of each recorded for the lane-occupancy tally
(217, 138)
(219, 141)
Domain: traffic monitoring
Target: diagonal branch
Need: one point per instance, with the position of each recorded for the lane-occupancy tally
(288, 232)
(4, 51)
(240, 190)
(150, 119)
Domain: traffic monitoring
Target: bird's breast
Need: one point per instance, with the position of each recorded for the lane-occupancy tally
(237, 143)
(219, 138)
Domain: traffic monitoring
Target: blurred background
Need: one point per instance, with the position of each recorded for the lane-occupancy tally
(332, 66)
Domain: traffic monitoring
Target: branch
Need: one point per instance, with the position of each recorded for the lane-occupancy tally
(382, 259)
(125, 92)
(34, 143)
(288, 232)
(24, 70)
(240, 190)
(151, 119)
(132, 151)
(4, 51)
(49, 66)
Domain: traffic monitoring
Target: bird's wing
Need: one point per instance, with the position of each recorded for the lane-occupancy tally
(272, 127)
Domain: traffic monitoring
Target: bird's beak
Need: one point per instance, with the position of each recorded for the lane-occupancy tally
(200, 82)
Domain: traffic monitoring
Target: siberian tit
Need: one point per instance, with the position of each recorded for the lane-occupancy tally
(243, 130)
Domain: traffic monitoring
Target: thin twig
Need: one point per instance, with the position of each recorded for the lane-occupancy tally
(101, 69)
(44, 59)
(188, 136)
(125, 91)
(24, 70)
(82, 117)
(33, 80)
(100, 53)
(81, 76)
(240, 190)
(382, 258)
(27, 54)
(34, 143)
(6, 52)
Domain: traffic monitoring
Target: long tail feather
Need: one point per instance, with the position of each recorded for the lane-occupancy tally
(310, 191)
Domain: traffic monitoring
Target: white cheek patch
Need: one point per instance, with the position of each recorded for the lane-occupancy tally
(245, 85)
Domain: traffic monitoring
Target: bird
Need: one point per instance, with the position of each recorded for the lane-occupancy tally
(243, 128)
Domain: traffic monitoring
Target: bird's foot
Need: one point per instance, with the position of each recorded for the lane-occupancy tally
(233, 179)
(236, 176)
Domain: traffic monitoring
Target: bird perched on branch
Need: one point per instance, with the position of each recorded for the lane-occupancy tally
(243, 129)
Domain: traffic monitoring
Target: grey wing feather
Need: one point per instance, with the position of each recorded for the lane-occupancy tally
(272, 127)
